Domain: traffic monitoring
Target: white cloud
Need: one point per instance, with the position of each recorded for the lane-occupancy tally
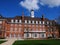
(30, 4)
(50, 3)
(33, 4)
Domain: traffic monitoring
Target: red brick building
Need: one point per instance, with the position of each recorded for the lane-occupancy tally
(28, 27)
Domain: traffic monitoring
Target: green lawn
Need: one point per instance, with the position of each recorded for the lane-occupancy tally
(2, 42)
(37, 42)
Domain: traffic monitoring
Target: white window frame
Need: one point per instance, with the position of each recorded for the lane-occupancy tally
(0, 22)
(15, 29)
(25, 21)
(20, 21)
(39, 22)
(16, 21)
(35, 36)
(50, 23)
(29, 22)
(19, 29)
(42, 35)
(43, 22)
(11, 29)
(33, 22)
(36, 22)
(12, 21)
(47, 22)
(15, 24)
(11, 24)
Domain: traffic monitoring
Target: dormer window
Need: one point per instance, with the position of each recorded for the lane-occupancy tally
(43, 22)
(16, 21)
(39, 22)
(32, 22)
(12, 21)
(25, 21)
(47, 22)
(29, 21)
(20, 21)
(36, 22)
(0, 22)
(50, 23)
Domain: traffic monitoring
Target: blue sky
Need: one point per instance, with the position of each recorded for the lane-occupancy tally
(11, 8)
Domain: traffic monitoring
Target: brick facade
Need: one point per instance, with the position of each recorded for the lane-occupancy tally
(27, 27)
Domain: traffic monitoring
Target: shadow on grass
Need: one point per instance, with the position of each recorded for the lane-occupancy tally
(32, 44)
(2, 42)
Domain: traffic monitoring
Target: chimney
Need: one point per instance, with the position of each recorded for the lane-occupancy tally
(43, 17)
(23, 16)
(32, 13)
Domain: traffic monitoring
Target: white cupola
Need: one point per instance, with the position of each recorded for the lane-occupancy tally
(32, 13)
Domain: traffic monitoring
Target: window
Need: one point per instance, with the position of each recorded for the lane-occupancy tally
(32, 25)
(36, 22)
(50, 23)
(49, 35)
(10, 35)
(19, 29)
(25, 21)
(42, 35)
(47, 25)
(43, 29)
(12, 21)
(49, 30)
(16, 21)
(19, 35)
(25, 25)
(36, 29)
(29, 25)
(25, 30)
(20, 21)
(32, 22)
(29, 21)
(36, 25)
(11, 29)
(20, 25)
(14, 35)
(15, 24)
(43, 26)
(39, 22)
(40, 26)
(34, 34)
(40, 29)
(11, 24)
(47, 22)
(15, 29)
(43, 22)
(27, 34)
(0, 22)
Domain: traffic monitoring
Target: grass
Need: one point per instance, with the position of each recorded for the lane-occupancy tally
(37, 42)
(2, 42)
